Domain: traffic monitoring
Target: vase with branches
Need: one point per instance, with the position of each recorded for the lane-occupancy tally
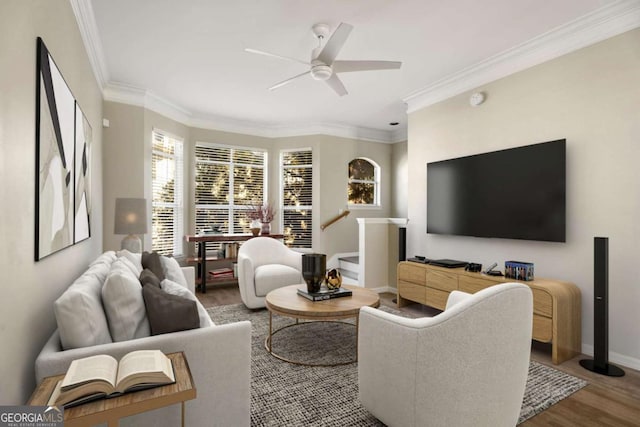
(263, 214)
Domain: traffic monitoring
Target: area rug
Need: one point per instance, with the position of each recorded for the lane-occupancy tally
(283, 394)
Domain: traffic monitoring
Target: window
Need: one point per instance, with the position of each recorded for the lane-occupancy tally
(364, 183)
(296, 206)
(166, 185)
(228, 182)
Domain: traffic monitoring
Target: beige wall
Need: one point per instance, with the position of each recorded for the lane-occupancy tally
(331, 156)
(127, 147)
(122, 162)
(592, 98)
(29, 288)
(399, 180)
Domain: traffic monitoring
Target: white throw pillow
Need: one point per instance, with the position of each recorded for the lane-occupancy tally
(174, 288)
(124, 306)
(100, 271)
(172, 271)
(79, 313)
(106, 258)
(136, 259)
(124, 264)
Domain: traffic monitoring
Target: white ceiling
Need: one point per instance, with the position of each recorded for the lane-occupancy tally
(190, 53)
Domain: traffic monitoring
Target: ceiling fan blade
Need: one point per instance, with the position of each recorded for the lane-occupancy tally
(260, 52)
(348, 66)
(289, 80)
(336, 84)
(334, 44)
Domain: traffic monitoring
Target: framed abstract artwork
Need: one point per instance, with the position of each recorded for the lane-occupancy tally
(63, 138)
(82, 193)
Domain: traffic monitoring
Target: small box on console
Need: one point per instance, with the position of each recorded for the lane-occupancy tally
(518, 270)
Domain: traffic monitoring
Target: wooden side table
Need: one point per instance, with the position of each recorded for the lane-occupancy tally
(112, 410)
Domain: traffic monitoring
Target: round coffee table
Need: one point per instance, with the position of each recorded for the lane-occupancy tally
(285, 301)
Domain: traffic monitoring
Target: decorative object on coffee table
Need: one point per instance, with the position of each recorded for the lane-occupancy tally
(333, 279)
(313, 268)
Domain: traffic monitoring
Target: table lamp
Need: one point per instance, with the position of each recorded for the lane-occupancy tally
(131, 219)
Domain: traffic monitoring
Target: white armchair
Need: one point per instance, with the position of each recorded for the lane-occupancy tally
(467, 366)
(265, 264)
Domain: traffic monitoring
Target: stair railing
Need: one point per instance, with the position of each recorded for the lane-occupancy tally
(335, 219)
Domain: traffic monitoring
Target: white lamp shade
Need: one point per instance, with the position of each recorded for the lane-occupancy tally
(131, 216)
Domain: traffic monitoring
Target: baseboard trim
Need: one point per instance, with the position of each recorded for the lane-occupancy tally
(617, 358)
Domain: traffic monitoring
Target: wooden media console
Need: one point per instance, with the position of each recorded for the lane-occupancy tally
(556, 304)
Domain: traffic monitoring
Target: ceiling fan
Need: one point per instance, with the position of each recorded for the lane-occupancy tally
(323, 65)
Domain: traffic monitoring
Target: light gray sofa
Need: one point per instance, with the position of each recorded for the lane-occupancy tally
(219, 357)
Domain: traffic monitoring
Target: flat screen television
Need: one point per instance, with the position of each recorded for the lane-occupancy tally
(518, 193)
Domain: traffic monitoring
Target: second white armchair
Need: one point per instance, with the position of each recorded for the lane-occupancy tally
(265, 264)
(464, 367)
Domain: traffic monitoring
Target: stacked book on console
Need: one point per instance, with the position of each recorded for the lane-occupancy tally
(323, 295)
(222, 273)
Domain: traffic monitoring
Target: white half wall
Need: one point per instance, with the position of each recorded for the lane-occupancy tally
(591, 97)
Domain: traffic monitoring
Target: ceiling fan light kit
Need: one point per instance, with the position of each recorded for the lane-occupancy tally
(320, 71)
(323, 65)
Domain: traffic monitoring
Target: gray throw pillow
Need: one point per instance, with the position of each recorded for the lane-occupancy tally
(169, 313)
(151, 260)
(124, 305)
(147, 277)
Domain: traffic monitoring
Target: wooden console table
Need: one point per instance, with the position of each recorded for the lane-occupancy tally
(201, 259)
(556, 304)
(110, 411)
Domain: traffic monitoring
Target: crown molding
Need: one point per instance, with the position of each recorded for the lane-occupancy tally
(86, 20)
(268, 130)
(400, 135)
(124, 94)
(601, 24)
(132, 95)
(139, 97)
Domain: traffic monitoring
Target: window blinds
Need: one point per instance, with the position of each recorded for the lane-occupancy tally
(228, 182)
(297, 200)
(167, 198)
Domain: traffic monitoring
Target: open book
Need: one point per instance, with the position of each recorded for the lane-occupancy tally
(101, 376)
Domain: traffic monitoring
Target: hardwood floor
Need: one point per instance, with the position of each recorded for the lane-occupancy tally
(220, 295)
(605, 401)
